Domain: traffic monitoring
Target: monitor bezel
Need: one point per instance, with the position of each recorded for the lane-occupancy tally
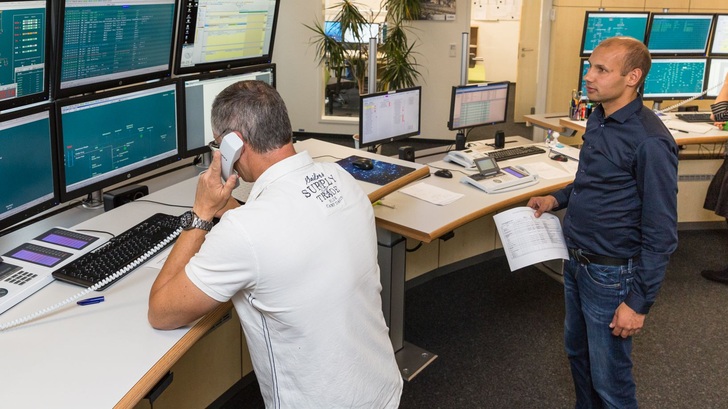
(101, 85)
(26, 100)
(674, 96)
(679, 53)
(66, 194)
(712, 36)
(11, 220)
(363, 143)
(220, 65)
(584, 53)
(182, 100)
(457, 88)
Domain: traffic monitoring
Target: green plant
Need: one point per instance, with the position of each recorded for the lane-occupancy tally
(396, 63)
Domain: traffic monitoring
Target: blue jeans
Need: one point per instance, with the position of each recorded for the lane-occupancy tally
(601, 363)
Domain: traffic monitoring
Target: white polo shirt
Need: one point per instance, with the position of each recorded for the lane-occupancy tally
(299, 261)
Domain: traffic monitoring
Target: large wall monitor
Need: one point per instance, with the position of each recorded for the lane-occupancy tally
(109, 43)
(478, 104)
(679, 34)
(600, 25)
(219, 34)
(24, 52)
(719, 45)
(197, 94)
(27, 164)
(389, 116)
(675, 78)
(717, 71)
(583, 69)
(109, 137)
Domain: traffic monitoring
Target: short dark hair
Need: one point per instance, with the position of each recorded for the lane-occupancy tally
(257, 111)
(636, 55)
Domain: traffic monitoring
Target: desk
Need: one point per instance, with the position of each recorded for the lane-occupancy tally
(107, 355)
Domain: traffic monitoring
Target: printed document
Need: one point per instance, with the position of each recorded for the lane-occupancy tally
(529, 240)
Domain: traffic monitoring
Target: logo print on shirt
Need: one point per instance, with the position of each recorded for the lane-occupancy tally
(322, 187)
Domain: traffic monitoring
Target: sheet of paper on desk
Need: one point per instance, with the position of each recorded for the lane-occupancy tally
(432, 194)
(528, 240)
(547, 171)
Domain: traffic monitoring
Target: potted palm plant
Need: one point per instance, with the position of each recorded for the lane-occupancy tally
(395, 53)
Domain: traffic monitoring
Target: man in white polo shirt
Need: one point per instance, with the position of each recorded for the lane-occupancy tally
(298, 260)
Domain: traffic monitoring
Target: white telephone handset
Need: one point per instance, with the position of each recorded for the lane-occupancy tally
(230, 150)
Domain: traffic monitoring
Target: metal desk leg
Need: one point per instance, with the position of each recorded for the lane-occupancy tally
(410, 358)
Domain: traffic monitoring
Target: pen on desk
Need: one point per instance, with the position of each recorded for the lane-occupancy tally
(380, 203)
(89, 301)
(679, 130)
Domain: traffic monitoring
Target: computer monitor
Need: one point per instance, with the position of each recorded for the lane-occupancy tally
(196, 95)
(109, 137)
(583, 69)
(222, 34)
(478, 104)
(600, 25)
(27, 164)
(679, 34)
(717, 70)
(109, 43)
(333, 30)
(24, 52)
(675, 78)
(719, 46)
(389, 116)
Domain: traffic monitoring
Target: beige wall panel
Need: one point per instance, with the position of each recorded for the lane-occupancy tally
(671, 4)
(564, 58)
(421, 261)
(474, 238)
(691, 194)
(595, 4)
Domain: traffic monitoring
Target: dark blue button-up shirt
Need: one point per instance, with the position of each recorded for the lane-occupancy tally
(623, 201)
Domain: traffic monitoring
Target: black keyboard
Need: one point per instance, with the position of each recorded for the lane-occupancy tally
(695, 117)
(126, 251)
(515, 152)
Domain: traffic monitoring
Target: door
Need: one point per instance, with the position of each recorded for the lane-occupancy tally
(528, 58)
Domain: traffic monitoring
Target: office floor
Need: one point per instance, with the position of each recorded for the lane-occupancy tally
(498, 335)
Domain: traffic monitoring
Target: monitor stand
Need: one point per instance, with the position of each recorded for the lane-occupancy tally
(205, 160)
(656, 105)
(94, 200)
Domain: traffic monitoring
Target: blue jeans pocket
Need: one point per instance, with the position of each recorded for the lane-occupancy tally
(605, 276)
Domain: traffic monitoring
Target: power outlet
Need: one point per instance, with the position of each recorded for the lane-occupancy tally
(453, 50)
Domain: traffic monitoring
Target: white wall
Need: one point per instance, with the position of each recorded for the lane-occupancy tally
(300, 81)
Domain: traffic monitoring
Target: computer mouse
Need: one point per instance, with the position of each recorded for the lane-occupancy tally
(560, 158)
(363, 164)
(443, 173)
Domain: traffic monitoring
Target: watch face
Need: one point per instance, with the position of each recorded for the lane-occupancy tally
(186, 219)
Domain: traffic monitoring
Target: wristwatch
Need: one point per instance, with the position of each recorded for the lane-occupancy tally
(190, 220)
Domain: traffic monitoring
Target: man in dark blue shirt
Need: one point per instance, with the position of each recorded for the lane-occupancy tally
(620, 225)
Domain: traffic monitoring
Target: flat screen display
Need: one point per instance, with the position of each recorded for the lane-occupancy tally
(478, 104)
(219, 34)
(24, 53)
(599, 25)
(679, 34)
(389, 116)
(719, 46)
(675, 78)
(27, 164)
(110, 137)
(109, 43)
(197, 94)
(717, 71)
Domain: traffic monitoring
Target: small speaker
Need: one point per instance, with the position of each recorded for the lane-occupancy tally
(500, 139)
(123, 195)
(407, 153)
(460, 141)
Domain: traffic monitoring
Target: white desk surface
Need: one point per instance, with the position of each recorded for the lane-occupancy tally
(417, 219)
(107, 354)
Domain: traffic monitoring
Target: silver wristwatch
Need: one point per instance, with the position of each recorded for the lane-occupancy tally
(190, 220)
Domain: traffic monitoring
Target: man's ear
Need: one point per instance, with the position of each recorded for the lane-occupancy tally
(634, 77)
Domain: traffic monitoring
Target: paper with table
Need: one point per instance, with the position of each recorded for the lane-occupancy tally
(432, 194)
(528, 240)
